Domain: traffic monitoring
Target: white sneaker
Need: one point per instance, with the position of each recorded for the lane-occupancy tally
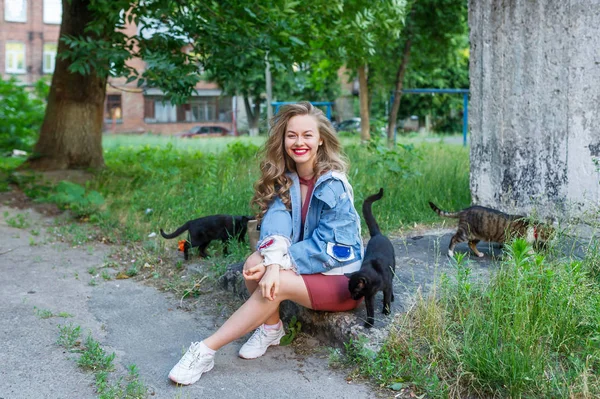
(192, 365)
(258, 343)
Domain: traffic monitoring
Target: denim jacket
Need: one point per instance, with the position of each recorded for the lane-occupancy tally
(332, 241)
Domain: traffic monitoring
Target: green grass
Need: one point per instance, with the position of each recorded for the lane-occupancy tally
(153, 182)
(203, 144)
(95, 359)
(532, 332)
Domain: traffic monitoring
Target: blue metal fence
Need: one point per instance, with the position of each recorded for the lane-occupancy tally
(327, 104)
(464, 92)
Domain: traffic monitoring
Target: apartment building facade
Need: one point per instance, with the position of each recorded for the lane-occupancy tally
(29, 34)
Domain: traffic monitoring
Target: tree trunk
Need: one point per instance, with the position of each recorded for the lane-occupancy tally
(398, 92)
(363, 95)
(71, 134)
(253, 115)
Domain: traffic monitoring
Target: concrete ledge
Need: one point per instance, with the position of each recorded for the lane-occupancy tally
(420, 260)
(332, 328)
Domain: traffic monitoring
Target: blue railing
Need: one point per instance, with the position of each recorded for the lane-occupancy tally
(327, 104)
(464, 92)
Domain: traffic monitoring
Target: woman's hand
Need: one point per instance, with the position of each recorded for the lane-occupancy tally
(255, 272)
(269, 284)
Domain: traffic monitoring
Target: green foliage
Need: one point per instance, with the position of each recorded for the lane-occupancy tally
(385, 160)
(533, 331)
(43, 313)
(411, 174)
(69, 336)
(152, 187)
(293, 329)
(94, 357)
(18, 221)
(129, 387)
(21, 113)
(439, 58)
(76, 198)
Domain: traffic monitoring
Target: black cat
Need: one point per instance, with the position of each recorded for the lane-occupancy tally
(378, 266)
(215, 227)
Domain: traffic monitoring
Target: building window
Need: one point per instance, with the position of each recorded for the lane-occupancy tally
(52, 11)
(49, 57)
(202, 110)
(15, 10)
(15, 57)
(113, 112)
(199, 109)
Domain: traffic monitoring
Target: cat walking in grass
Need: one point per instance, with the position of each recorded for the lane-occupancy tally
(478, 223)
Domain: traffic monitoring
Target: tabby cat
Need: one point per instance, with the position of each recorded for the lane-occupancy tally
(478, 223)
(378, 266)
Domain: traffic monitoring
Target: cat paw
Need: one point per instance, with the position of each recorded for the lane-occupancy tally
(451, 253)
(480, 254)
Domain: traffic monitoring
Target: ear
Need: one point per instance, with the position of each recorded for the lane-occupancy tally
(362, 282)
(349, 275)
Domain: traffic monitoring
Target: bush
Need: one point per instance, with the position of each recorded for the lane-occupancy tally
(21, 113)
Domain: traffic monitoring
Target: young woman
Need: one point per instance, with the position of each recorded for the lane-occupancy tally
(309, 237)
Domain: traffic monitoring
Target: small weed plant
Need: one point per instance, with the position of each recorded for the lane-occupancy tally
(46, 314)
(293, 329)
(532, 331)
(82, 202)
(128, 387)
(18, 221)
(94, 358)
(69, 336)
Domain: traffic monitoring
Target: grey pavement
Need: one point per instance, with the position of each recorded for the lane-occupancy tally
(142, 325)
(147, 328)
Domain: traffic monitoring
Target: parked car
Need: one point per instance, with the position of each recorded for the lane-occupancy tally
(205, 131)
(348, 125)
(353, 126)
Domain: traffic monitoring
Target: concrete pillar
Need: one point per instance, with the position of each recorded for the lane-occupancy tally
(535, 105)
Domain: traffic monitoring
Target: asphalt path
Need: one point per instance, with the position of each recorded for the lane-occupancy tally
(140, 324)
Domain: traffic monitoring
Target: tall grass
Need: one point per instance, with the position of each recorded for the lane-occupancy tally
(155, 182)
(533, 331)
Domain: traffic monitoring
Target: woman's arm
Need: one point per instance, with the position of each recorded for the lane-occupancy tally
(276, 222)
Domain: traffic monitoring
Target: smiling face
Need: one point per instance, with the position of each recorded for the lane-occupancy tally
(301, 143)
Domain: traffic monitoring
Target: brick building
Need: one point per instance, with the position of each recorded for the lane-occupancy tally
(29, 31)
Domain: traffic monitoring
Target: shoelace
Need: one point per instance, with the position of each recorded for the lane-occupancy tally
(259, 333)
(191, 356)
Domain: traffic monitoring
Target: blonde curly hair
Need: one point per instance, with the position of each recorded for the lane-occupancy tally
(276, 162)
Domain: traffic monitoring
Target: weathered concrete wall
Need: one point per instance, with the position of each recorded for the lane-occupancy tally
(535, 105)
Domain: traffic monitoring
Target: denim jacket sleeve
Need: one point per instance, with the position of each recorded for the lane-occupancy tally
(277, 221)
(335, 241)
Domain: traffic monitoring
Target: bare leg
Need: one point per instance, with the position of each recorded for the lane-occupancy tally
(251, 285)
(257, 310)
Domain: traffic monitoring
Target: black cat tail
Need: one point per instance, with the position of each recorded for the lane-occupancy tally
(368, 213)
(176, 232)
(443, 213)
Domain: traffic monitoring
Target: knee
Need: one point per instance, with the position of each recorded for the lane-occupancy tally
(252, 261)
